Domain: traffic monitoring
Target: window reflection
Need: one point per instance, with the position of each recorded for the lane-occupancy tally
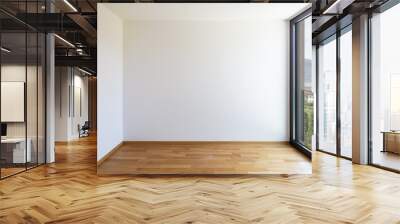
(327, 96)
(385, 89)
(346, 93)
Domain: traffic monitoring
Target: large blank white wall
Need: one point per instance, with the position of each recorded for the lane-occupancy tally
(205, 80)
(109, 81)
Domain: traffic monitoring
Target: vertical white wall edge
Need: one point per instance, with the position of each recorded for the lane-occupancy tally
(110, 78)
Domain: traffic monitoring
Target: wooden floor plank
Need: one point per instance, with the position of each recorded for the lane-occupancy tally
(69, 191)
(205, 158)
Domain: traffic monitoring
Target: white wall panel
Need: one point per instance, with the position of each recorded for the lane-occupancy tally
(206, 80)
(109, 81)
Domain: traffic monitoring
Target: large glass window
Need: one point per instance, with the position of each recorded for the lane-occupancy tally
(327, 90)
(304, 84)
(385, 89)
(346, 92)
(335, 94)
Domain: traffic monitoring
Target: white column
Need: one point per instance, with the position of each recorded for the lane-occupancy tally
(50, 110)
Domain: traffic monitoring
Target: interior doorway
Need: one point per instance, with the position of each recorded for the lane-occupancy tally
(75, 104)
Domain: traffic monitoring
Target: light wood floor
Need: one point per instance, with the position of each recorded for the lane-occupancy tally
(206, 158)
(5, 172)
(10, 171)
(69, 191)
(387, 159)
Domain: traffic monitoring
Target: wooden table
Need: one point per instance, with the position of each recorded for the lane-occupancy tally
(391, 141)
(13, 150)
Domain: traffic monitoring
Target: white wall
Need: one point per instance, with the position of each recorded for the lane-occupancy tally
(68, 81)
(109, 81)
(18, 73)
(81, 97)
(206, 80)
(62, 81)
(33, 127)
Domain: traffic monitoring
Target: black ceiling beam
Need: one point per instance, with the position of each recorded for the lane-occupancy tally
(10, 25)
(81, 61)
(8, 16)
(322, 23)
(84, 24)
(86, 51)
(49, 22)
(91, 5)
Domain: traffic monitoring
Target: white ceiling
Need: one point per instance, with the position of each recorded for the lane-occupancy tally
(207, 11)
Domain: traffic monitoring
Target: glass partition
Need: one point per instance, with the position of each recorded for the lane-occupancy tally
(22, 88)
(14, 155)
(41, 97)
(31, 99)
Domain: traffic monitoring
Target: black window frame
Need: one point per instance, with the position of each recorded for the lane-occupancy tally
(335, 36)
(293, 80)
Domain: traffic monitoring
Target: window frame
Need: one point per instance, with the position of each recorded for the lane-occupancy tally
(26, 30)
(336, 36)
(293, 87)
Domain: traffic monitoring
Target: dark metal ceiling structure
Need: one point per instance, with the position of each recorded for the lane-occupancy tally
(329, 16)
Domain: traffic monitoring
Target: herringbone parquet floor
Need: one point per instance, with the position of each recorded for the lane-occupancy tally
(69, 191)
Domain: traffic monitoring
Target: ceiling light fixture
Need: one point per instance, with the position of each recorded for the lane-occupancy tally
(70, 5)
(84, 71)
(64, 40)
(5, 50)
